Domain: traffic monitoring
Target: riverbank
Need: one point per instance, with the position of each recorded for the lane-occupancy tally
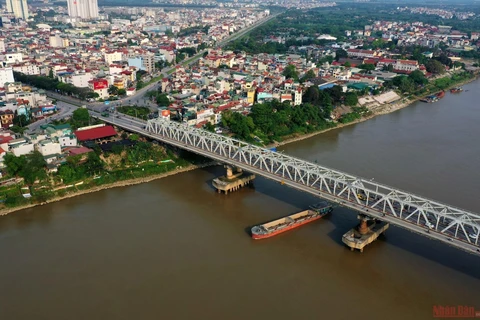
(376, 111)
(123, 183)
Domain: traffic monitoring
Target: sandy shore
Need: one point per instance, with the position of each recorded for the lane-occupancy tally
(117, 184)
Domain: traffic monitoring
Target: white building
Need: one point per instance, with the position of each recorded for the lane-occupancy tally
(19, 8)
(14, 58)
(20, 147)
(111, 57)
(360, 53)
(68, 141)
(57, 42)
(297, 97)
(6, 75)
(2, 45)
(84, 9)
(79, 80)
(27, 68)
(406, 65)
(48, 147)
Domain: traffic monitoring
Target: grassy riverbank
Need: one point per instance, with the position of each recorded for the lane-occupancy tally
(95, 185)
(139, 162)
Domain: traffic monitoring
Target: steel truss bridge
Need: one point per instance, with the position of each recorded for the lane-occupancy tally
(427, 217)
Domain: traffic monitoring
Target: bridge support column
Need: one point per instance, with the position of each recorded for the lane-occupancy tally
(233, 180)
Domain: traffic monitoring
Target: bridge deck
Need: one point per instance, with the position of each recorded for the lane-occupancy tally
(430, 218)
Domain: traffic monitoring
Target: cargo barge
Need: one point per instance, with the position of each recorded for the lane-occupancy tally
(290, 222)
(367, 231)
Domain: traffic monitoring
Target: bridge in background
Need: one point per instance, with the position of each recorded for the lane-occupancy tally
(454, 226)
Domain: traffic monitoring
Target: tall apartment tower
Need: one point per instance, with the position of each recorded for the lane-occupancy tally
(19, 8)
(84, 9)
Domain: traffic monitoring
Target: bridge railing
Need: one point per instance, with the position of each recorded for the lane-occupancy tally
(390, 202)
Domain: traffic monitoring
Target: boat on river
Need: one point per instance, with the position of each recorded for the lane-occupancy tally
(272, 228)
(440, 95)
(456, 90)
(430, 99)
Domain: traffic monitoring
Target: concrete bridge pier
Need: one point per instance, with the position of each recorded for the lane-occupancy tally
(233, 180)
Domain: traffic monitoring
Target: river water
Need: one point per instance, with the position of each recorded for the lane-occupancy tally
(175, 249)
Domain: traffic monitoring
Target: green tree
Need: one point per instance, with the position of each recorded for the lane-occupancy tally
(121, 92)
(21, 120)
(351, 99)
(14, 164)
(404, 83)
(80, 117)
(418, 77)
(35, 168)
(93, 164)
(92, 95)
(340, 53)
(328, 59)
(311, 95)
(309, 75)
(162, 100)
(435, 67)
(209, 127)
(112, 90)
(388, 67)
(140, 84)
(367, 66)
(30, 167)
(290, 72)
(347, 64)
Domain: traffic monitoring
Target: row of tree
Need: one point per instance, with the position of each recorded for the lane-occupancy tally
(50, 84)
(273, 120)
(30, 167)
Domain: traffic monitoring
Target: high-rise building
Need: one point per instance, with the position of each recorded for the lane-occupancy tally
(19, 8)
(84, 9)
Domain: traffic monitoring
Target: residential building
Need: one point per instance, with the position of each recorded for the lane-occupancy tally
(20, 147)
(6, 76)
(48, 147)
(111, 57)
(68, 141)
(99, 86)
(19, 8)
(84, 9)
(144, 62)
(13, 57)
(6, 118)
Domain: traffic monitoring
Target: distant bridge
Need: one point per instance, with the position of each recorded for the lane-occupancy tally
(454, 226)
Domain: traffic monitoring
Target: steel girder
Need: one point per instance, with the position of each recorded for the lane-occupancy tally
(366, 194)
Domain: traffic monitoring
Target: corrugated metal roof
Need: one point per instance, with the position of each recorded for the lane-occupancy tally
(95, 133)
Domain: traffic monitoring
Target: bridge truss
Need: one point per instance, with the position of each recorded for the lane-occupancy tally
(437, 220)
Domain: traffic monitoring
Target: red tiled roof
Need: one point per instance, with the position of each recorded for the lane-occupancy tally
(5, 139)
(201, 124)
(95, 133)
(79, 150)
